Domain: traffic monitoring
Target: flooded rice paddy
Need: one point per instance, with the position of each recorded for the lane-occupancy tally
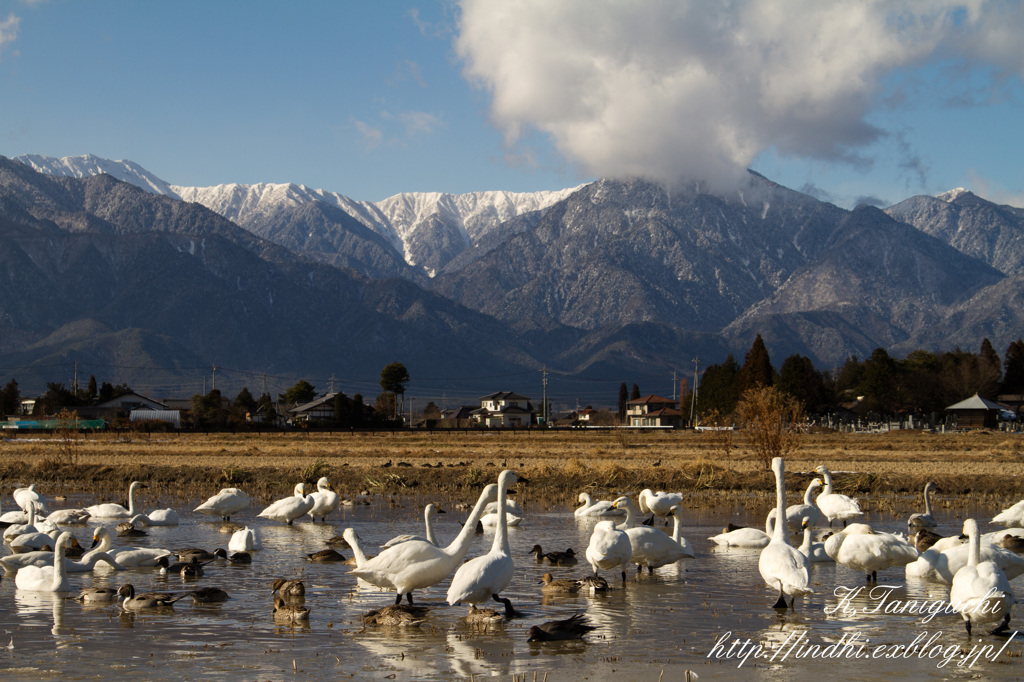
(710, 615)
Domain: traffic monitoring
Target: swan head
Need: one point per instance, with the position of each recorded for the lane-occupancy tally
(323, 484)
(99, 535)
(350, 536)
(136, 485)
(584, 498)
(300, 489)
(433, 510)
(623, 502)
(778, 466)
(930, 487)
(970, 528)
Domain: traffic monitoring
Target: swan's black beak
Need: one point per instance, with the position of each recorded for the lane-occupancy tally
(441, 511)
(520, 479)
(95, 541)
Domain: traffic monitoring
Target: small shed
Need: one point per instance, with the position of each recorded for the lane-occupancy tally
(976, 413)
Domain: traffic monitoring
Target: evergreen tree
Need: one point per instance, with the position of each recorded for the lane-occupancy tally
(757, 367)
(1013, 368)
(635, 393)
(879, 382)
(623, 399)
(244, 401)
(91, 391)
(799, 379)
(10, 398)
(719, 388)
(301, 392)
(850, 376)
(393, 379)
(358, 409)
(342, 409)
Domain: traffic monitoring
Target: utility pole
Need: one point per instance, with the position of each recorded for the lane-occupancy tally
(544, 404)
(693, 399)
(214, 379)
(674, 384)
(332, 382)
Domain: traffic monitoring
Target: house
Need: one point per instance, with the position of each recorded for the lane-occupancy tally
(459, 416)
(976, 413)
(653, 411)
(319, 410)
(120, 407)
(586, 415)
(504, 409)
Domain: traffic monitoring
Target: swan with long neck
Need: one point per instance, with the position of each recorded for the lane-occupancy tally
(126, 556)
(48, 578)
(808, 512)
(609, 548)
(781, 565)
(290, 508)
(484, 577)
(981, 593)
(835, 506)
(925, 520)
(111, 510)
(660, 502)
(325, 500)
(429, 512)
(596, 508)
(814, 551)
(649, 547)
(417, 564)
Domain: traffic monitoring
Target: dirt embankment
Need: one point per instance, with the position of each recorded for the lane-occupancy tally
(979, 466)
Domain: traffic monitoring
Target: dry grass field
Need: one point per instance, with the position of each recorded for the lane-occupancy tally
(975, 467)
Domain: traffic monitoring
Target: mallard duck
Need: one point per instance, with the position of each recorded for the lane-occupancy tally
(566, 558)
(336, 541)
(289, 613)
(559, 586)
(396, 615)
(209, 595)
(594, 584)
(560, 630)
(1014, 543)
(536, 550)
(147, 600)
(289, 588)
(194, 569)
(325, 556)
(166, 567)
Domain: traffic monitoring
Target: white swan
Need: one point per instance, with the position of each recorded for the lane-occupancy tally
(429, 512)
(1011, 517)
(290, 508)
(111, 510)
(940, 565)
(157, 517)
(245, 540)
(69, 517)
(596, 508)
(484, 577)
(30, 526)
(48, 578)
(609, 548)
(26, 496)
(649, 547)
(417, 564)
(781, 565)
(31, 542)
(797, 514)
(861, 548)
(835, 506)
(490, 520)
(225, 503)
(15, 562)
(981, 592)
(925, 520)
(511, 506)
(325, 500)
(660, 502)
(814, 551)
(748, 538)
(130, 557)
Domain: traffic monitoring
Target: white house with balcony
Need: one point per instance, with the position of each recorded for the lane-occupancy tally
(653, 411)
(504, 409)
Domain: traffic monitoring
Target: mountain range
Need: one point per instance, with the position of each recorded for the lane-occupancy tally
(618, 280)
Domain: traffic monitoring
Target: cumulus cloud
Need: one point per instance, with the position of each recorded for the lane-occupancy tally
(689, 89)
(8, 31)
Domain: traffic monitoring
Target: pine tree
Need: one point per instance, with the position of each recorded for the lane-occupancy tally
(635, 393)
(623, 399)
(757, 367)
(1013, 368)
(719, 388)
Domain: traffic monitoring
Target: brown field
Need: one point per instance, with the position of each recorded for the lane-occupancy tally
(889, 469)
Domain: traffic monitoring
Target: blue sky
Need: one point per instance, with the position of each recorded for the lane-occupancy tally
(871, 101)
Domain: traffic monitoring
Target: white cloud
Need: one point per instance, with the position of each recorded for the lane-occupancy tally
(8, 30)
(372, 135)
(675, 89)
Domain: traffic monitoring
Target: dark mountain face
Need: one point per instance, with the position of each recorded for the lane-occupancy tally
(204, 288)
(621, 281)
(624, 252)
(976, 227)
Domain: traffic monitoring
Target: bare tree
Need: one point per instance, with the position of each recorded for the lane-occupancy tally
(771, 421)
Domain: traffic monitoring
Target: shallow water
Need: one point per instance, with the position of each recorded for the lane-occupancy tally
(684, 617)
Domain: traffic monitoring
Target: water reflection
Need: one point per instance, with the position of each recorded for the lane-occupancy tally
(672, 618)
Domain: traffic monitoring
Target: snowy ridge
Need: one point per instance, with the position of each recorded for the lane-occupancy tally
(952, 195)
(399, 219)
(89, 165)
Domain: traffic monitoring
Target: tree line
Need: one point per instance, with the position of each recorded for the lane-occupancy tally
(924, 382)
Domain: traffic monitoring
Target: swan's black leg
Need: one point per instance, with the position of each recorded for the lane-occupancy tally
(408, 596)
(1004, 626)
(398, 599)
(781, 602)
(967, 624)
(509, 611)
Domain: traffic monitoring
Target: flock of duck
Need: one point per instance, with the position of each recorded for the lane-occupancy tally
(976, 567)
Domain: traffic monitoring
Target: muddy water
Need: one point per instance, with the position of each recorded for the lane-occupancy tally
(695, 615)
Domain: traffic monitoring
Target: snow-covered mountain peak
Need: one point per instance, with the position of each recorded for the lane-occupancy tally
(953, 194)
(89, 165)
